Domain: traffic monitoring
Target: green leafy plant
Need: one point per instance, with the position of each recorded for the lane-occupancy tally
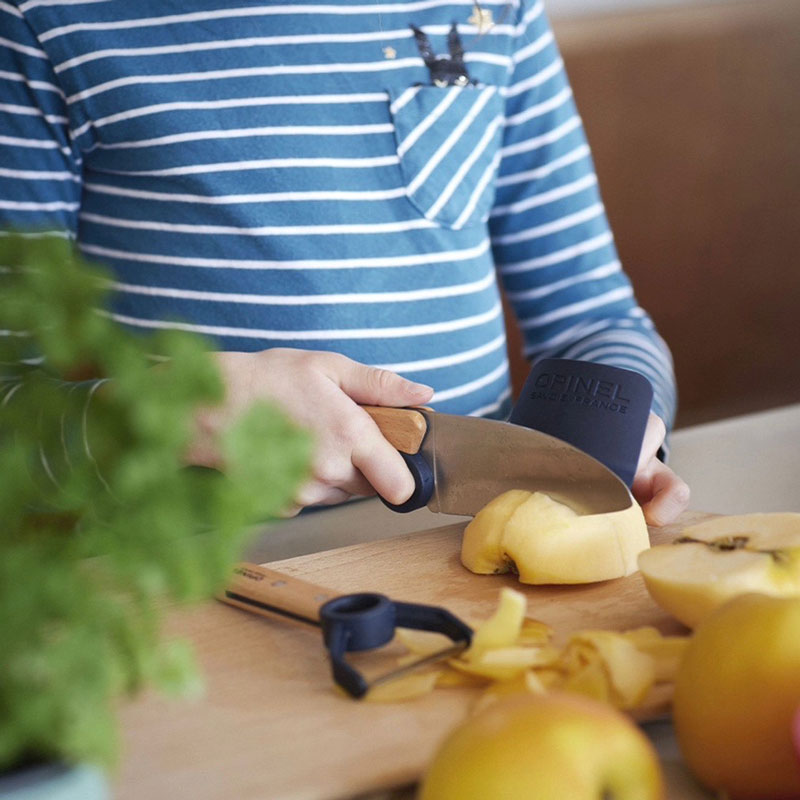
(102, 526)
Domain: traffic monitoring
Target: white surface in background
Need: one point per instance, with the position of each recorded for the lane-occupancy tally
(562, 9)
(742, 464)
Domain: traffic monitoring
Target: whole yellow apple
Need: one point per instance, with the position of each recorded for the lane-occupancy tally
(553, 746)
(736, 691)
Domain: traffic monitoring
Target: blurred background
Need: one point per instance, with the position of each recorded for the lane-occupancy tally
(692, 109)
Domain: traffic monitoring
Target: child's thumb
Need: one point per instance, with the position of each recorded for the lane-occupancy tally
(381, 387)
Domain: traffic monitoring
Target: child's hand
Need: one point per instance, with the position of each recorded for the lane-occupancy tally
(660, 492)
(321, 392)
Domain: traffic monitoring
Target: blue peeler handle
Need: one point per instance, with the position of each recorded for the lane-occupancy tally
(365, 621)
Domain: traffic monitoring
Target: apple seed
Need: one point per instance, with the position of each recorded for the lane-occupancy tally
(728, 543)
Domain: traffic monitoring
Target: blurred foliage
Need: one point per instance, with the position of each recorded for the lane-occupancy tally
(101, 524)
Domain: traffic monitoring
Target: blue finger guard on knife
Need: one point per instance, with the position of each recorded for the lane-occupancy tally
(600, 409)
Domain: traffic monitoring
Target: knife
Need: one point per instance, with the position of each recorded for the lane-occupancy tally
(461, 463)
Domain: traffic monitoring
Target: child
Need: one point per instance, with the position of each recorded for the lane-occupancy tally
(330, 191)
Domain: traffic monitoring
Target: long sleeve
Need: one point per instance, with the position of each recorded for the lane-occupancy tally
(551, 239)
(63, 447)
(39, 166)
(39, 194)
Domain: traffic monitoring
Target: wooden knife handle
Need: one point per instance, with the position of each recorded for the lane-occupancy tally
(404, 428)
(264, 591)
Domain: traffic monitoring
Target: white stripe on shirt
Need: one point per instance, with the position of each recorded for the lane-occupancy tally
(318, 335)
(261, 230)
(411, 295)
(371, 262)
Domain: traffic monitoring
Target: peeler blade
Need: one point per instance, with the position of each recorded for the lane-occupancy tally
(432, 658)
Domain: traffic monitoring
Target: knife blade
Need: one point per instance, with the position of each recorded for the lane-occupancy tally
(473, 460)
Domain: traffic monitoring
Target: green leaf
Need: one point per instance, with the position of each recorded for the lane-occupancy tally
(104, 527)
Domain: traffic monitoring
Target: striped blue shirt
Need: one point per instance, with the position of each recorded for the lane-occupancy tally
(291, 175)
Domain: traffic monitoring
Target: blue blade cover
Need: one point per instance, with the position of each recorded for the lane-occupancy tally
(600, 409)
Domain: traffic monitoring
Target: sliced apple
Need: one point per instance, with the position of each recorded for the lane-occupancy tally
(721, 558)
(545, 541)
(481, 547)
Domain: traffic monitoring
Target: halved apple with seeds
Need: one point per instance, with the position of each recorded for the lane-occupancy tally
(721, 558)
(545, 541)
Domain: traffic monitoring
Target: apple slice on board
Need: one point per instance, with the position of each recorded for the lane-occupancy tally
(721, 558)
(546, 542)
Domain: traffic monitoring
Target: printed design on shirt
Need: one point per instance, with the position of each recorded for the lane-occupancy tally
(445, 70)
(448, 142)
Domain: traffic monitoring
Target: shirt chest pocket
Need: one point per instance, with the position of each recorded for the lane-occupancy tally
(448, 142)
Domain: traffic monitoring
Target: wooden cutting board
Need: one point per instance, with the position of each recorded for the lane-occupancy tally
(271, 724)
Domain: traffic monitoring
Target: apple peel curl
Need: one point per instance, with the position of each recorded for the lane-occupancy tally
(631, 670)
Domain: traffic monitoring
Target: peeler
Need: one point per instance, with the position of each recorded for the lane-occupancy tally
(349, 623)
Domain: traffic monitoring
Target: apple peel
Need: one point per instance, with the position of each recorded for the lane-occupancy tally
(666, 651)
(534, 632)
(503, 628)
(504, 663)
(517, 654)
(527, 682)
(589, 679)
(631, 673)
